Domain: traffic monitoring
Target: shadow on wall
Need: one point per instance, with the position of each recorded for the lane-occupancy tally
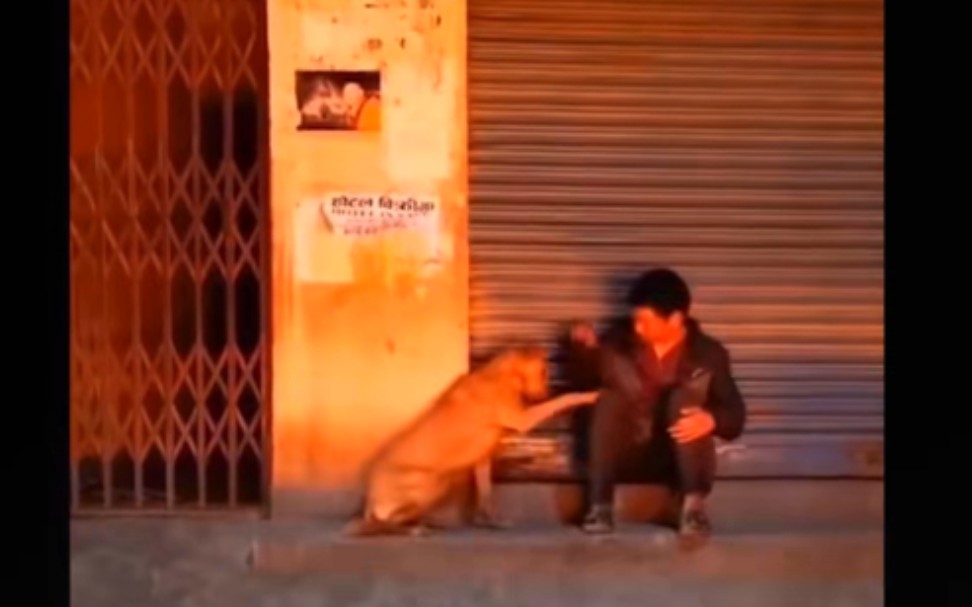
(578, 426)
(602, 305)
(493, 305)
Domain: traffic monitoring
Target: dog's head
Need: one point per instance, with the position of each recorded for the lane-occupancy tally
(527, 367)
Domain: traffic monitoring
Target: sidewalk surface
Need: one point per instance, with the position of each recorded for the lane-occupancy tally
(143, 563)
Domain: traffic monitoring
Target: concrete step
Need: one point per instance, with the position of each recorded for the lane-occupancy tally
(745, 505)
(736, 505)
(836, 556)
(793, 548)
(546, 566)
(777, 543)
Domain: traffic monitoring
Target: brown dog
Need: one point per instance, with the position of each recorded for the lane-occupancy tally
(457, 438)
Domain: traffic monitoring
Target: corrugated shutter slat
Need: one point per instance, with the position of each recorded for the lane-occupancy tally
(740, 142)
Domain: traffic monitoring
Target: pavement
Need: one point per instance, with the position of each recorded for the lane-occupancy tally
(210, 562)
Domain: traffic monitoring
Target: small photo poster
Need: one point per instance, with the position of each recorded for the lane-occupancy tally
(339, 100)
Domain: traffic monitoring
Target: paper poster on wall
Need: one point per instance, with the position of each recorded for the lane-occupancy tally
(355, 215)
(334, 229)
(338, 100)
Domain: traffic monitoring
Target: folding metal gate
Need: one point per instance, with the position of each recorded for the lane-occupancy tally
(169, 333)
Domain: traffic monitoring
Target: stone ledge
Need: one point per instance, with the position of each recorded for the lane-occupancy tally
(552, 456)
(547, 554)
(739, 504)
(305, 562)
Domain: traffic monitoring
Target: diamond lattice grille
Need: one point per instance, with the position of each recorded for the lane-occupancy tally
(168, 255)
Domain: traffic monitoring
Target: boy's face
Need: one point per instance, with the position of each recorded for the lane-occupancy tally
(652, 327)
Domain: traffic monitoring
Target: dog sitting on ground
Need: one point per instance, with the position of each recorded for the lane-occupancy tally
(422, 468)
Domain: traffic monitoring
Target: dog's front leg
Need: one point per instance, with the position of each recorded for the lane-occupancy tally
(524, 420)
(485, 508)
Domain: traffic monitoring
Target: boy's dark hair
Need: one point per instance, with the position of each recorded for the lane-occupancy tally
(662, 290)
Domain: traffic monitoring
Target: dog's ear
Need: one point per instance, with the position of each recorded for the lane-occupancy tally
(531, 360)
(519, 361)
(527, 354)
(532, 352)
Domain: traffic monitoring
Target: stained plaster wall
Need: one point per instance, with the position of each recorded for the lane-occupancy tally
(366, 330)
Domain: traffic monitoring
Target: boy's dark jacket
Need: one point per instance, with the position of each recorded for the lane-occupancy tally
(725, 402)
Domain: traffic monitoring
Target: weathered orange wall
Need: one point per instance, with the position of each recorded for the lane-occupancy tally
(353, 362)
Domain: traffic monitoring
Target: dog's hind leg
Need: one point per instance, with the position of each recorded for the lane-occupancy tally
(366, 526)
(397, 521)
(484, 514)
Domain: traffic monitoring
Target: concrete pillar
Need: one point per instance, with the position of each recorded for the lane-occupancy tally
(365, 330)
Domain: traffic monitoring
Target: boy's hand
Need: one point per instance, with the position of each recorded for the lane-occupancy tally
(584, 334)
(694, 424)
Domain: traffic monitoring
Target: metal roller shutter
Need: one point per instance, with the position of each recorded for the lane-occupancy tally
(738, 141)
